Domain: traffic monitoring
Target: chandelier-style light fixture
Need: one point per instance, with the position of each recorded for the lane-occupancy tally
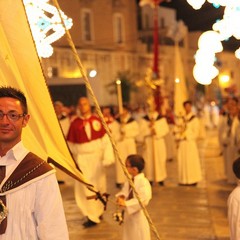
(45, 24)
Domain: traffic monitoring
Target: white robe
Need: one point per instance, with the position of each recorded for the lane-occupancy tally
(221, 126)
(135, 224)
(36, 210)
(126, 145)
(228, 139)
(189, 167)
(154, 148)
(234, 213)
(170, 143)
(65, 124)
(92, 157)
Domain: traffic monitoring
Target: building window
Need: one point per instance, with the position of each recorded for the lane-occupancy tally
(87, 25)
(146, 22)
(118, 25)
(162, 22)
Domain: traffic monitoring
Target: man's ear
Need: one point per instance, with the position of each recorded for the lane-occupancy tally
(25, 120)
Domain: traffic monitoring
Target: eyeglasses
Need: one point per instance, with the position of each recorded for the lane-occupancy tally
(12, 116)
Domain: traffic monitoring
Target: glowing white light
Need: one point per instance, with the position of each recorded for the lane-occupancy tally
(177, 80)
(45, 24)
(237, 53)
(204, 75)
(204, 57)
(210, 41)
(92, 73)
(224, 78)
(196, 4)
(219, 2)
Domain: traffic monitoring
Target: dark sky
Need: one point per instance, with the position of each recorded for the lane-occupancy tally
(201, 19)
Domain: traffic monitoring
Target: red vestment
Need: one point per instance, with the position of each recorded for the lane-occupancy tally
(77, 133)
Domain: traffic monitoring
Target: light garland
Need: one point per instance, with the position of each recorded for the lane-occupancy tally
(45, 24)
(222, 30)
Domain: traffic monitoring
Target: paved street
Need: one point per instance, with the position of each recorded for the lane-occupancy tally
(178, 212)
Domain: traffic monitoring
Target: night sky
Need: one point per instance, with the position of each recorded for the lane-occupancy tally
(201, 19)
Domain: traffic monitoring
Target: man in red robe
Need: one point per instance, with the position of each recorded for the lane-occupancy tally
(92, 151)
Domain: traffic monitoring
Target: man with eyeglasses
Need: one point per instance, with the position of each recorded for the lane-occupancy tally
(30, 200)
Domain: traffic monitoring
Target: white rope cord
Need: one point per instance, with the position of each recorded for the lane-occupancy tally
(98, 110)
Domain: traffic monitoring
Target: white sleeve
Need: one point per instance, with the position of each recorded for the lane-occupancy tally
(161, 127)
(49, 212)
(108, 153)
(234, 218)
(145, 194)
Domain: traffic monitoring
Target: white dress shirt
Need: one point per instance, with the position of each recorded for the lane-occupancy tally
(36, 210)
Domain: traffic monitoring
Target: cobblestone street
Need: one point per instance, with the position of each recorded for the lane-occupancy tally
(178, 212)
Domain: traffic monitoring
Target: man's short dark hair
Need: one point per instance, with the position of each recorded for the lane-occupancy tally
(187, 102)
(11, 92)
(236, 167)
(137, 161)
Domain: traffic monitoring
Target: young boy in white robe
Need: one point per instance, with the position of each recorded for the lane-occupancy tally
(234, 205)
(135, 224)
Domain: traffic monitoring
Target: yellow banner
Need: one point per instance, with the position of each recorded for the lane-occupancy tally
(20, 67)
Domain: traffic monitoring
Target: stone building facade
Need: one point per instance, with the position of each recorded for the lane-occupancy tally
(113, 36)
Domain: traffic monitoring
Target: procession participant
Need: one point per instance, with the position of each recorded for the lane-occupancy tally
(153, 129)
(169, 137)
(189, 167)
(228, 138)
(62, 116)
(29, 186)
(233, 204)
(64, 122)
(128, 129)
(135, 225)
(92, 151)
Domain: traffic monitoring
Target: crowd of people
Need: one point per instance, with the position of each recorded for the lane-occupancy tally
(156, 138)
(145, 142)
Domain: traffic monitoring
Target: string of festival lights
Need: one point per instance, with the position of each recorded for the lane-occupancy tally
(45, 24)
(210, 42)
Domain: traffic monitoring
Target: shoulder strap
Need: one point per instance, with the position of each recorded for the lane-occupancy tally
(30, 167)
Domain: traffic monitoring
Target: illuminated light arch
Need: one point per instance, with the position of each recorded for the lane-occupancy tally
(45, 24)
(222, 30)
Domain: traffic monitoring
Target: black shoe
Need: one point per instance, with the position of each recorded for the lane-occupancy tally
(192, 184)
(89, 224)
(61, 182)
(118, 185)
(161, 183)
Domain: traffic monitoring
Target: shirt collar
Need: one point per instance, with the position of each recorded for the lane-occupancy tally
(17, 153)
(140, 175)
(189, 115)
